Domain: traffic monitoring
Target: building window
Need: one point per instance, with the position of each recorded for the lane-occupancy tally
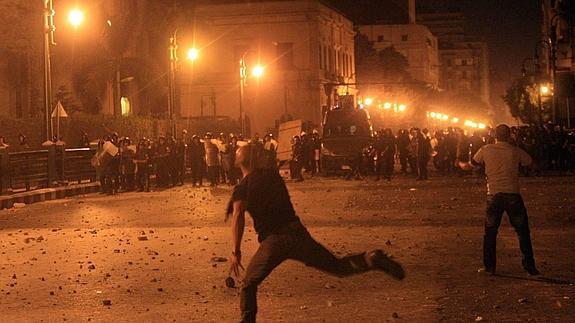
(404, 38)
(331, 60)
(284, 55)
(325, 58)
(126, 106)
(320, 56)
(380, 38)
(344, 64)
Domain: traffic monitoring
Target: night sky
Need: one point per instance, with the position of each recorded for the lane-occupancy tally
(510, 27)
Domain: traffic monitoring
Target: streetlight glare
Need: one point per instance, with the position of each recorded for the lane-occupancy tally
(193, 54)
(455, 120)
(387, 105)
(402, 107)
(76, 17)
(258, 71)
(544, 89)
(368, 101)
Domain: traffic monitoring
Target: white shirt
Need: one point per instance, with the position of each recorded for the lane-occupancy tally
(502, 162)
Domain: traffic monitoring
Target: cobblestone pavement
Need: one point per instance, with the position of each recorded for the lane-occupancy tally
(160, 256)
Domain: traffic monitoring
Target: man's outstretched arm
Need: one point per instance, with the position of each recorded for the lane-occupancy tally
(238, 224)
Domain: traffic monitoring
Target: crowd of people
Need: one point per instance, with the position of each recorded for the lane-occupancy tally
(209, 159)
(551, 147)
(123, 165)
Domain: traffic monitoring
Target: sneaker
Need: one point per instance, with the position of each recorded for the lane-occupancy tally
(486, 270)
(532, 270)
(377, 259)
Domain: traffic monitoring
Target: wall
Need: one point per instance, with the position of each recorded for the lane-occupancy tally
(225, 32)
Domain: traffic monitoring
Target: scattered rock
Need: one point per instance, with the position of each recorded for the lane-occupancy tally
(395, 315)
(107, 302)
(143, 238)
(479, 318)
(230, 282)
(19, 205)
(219, 259)
(522, 300)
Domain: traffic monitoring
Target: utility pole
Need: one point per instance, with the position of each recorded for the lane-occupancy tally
(48, 42)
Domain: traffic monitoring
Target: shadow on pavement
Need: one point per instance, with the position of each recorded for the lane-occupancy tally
(546, 280)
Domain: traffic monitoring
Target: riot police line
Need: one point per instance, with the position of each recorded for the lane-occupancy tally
(124, 165)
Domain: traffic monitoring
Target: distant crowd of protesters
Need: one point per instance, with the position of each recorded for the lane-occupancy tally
(123, 166)
(551, 147)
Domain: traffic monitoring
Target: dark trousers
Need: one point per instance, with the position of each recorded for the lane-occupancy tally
(295, 169)
(292, 242)
(198, 170)
(143, 178)
(213, 174)
(513, 205)
(403, 161)
(422, 167)
(384, 166)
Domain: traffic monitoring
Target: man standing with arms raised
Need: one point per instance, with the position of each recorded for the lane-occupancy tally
(263, 194)
(502, 161)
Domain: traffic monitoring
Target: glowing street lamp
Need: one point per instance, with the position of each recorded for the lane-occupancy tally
(432, 114)
(544, 90)
(455, 120)
(387, 105)
(258, 71)
(193, 54)
(481, 126)
(368, 101)
(76, 17)
(402, 107)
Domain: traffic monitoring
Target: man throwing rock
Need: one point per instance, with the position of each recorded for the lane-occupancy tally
(263, 194)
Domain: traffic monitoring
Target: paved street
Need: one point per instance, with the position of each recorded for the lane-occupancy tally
(154, 257)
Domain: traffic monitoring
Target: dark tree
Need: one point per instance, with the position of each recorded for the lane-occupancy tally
(384, 66)
(523, 101)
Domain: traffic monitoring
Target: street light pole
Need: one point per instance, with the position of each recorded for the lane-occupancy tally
(172, 81)
(243, 76)
(48, 42)
(553, 72)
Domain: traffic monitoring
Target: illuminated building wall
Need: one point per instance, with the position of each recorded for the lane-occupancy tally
(303, 45)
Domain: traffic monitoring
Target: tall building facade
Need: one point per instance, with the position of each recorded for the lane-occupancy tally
(558, 31)
(415, 42)
(305, 47)
(464, 60)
